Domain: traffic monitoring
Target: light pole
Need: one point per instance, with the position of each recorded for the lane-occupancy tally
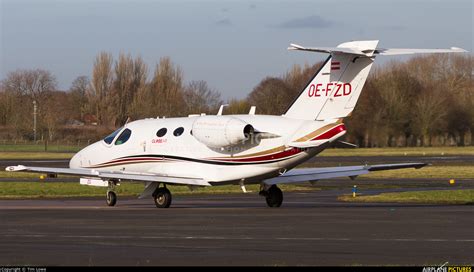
(34, 119)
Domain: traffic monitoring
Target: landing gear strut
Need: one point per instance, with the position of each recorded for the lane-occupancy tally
(273, 195)
(111, 196)
(162, 197)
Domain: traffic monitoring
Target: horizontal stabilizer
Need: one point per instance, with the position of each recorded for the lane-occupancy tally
(328, 50)
(406, 51)
(354, 48)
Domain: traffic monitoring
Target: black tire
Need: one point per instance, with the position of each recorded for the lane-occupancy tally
(274, 197)
(111, 198)
(162, 197)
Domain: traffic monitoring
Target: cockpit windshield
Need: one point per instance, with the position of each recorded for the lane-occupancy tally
(124, 136)
(111, 137)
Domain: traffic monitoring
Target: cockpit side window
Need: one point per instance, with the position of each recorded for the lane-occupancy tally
(161, 132)
(111, 137)
(124, 136)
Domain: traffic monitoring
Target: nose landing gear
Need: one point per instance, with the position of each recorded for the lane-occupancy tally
(111, 198)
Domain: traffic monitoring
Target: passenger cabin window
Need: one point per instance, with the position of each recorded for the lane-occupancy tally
(177, 132)
(124, 136)
(161, 132)
(111, 137)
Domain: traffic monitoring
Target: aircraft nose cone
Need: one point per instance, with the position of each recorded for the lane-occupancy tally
(75, 161)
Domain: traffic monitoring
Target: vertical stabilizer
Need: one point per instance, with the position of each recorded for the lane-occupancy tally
(334, 90)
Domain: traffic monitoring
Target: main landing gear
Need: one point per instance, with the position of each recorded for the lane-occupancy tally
(162, 197)
(273, 195)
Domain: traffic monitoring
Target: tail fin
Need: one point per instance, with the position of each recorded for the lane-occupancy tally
(334, 90)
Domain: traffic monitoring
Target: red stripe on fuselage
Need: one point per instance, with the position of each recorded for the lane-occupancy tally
(130, 160)
(330, 133)
(287, 153)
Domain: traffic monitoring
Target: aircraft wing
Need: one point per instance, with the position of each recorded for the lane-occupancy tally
(313, 174)
(120, 175)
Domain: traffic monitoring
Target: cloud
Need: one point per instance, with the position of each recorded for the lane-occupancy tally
(252, 6)
(223, 22)
(313, 21)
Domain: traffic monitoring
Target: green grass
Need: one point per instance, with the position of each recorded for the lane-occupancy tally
(39, 148)
(69, 189)
(429, 197)
(400, 151)
(33, 176)
(34, 155)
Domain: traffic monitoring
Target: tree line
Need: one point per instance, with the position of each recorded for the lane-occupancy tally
(427, 100)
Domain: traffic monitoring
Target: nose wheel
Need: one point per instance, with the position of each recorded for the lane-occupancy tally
(273, 196)
(111, 198)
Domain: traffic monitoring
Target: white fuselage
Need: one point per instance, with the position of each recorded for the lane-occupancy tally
(184, 155)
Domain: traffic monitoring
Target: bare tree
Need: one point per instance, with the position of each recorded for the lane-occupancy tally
(459, 119)
(397, 89)
(56, 114)
(297, 77)
(78, 91)
(199, 98)
(271, 95)
(429, 114)
(31, 83)
(99, 95)
(122, 87)
(447, 85)
(366, 122)
(6, 106)
(238, 106)
(130, 76)
(164, 95)
(22, 87)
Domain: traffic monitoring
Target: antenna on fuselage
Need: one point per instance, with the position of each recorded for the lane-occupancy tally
(252, 110)
(221, 109)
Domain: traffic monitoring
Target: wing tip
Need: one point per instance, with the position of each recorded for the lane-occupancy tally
(458, 49)
(421, 165)
(294, 46)
(15, 168)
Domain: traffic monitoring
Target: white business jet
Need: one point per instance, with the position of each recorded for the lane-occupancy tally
(204, 150)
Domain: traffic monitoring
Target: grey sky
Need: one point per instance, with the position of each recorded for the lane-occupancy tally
(230, 44)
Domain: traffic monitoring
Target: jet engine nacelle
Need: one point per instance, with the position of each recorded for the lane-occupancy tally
(221, 131)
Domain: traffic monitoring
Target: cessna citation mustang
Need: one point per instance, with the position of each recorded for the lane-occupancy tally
(204, 150)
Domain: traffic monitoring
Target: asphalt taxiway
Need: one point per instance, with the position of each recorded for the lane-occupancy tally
(311, 228)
